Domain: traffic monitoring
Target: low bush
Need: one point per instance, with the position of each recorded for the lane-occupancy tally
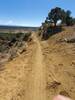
(49, 31)
(26, 36)
(7, 40)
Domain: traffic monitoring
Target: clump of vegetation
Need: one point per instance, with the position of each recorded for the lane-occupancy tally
(13, 44)
(57, 17)
(7, 40)
(48, 30)
(26, 36)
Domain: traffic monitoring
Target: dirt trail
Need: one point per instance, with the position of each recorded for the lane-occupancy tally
(39, 92)
(25, 76)
(37, 80)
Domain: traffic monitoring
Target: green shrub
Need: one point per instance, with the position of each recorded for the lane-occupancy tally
(26, 36)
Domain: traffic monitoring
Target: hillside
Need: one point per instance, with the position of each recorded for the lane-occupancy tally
(60, 63)
(44, 70)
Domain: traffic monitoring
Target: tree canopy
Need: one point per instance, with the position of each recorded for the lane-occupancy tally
(51, 25)
(57, 14)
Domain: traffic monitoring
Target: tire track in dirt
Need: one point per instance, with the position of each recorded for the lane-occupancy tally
(39, 92)
(37, 80)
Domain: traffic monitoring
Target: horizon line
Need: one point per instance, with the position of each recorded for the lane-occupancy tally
(18, 25)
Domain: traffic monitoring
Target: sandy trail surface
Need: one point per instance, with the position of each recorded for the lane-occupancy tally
(39, 80)
(24, 77)
(46, 69)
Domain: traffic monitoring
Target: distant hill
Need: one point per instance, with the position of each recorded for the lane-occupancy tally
(4, 28)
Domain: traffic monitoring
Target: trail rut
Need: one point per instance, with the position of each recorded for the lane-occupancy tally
(39, 83)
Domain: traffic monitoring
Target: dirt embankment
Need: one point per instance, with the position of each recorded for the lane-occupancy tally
(15, 76)
(60, 65)
(46, 69)
(24, 77)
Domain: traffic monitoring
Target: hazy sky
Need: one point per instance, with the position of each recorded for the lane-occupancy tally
(30, 12)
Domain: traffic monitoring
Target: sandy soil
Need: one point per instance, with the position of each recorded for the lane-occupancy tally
(40, 73)
(60, 66)
(24, 77)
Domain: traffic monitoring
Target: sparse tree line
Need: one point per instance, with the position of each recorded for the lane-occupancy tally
(57, 18)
